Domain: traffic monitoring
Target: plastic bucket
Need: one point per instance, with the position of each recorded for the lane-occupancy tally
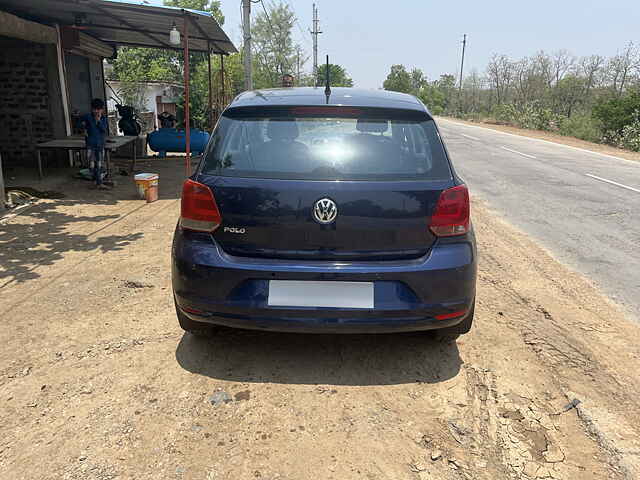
(146, 181)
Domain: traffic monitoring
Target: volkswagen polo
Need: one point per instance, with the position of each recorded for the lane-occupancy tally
(325, 212)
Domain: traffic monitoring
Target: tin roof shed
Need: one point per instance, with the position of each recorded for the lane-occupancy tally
(128, 22)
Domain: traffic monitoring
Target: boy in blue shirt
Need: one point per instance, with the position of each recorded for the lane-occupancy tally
(95, 127)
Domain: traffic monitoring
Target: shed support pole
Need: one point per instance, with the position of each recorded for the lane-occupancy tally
(3, 194)
(210, 87)
(187, 120)
(222, 93)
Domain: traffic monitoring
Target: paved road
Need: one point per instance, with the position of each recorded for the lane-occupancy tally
(582, 206)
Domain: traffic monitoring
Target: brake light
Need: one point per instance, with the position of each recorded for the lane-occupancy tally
(451, 215)
(324, 110)
(198, 210)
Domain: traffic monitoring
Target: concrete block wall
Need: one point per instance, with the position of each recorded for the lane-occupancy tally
(24, 100)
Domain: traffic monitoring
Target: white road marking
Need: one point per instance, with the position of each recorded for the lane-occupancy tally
(613, 183)
(519, 153)
(635, 162)
(469, 136)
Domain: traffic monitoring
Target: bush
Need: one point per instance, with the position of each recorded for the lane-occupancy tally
(436, 110)
(630, 136)
(505, 113)
(532, 115)
(584, 127)
(615, 113)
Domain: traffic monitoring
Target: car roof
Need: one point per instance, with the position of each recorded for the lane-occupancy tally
(340, 96)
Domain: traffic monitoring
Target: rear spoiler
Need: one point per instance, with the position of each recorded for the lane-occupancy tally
(340, 111)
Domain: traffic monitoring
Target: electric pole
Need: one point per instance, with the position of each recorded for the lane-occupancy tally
(246, 27)
(464, 44)
(315, 33)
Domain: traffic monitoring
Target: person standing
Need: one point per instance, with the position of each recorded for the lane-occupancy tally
(95, 126)
(288, 80)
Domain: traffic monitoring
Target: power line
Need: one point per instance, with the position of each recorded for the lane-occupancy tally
(275, 37)
(268, 18)
(302, 32)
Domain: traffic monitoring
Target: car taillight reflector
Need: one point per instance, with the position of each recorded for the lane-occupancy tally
(192, 310)
(446, 316)
(451, 215)
(199, 210)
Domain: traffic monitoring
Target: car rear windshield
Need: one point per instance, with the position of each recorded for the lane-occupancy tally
(316, 144)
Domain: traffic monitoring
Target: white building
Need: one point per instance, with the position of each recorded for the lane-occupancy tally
(150, 97)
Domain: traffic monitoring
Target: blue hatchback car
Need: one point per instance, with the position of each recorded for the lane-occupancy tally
(337, 213)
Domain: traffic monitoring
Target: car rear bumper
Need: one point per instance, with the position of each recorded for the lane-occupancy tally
(213, 287)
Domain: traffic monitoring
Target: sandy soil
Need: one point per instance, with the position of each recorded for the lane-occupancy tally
(97, 381)
(556, 138)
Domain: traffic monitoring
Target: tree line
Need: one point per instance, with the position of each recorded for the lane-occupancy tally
(274, 54)
(594, 98)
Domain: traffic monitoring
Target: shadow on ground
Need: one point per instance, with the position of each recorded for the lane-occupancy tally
(42, 233)
(260, 357)
(25, 246)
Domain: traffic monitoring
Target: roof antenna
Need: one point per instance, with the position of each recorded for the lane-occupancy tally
(327, 88)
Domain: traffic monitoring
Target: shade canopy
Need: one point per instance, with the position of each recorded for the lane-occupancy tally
(128, 23)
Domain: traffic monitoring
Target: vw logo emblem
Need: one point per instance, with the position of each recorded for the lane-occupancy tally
(325, 211)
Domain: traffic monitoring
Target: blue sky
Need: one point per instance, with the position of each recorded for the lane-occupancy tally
(368, 36)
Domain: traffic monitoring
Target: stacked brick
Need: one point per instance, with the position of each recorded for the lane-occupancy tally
(24, 101)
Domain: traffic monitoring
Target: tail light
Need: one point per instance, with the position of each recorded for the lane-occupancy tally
(447, 316)
(451, 215)
(199, 210)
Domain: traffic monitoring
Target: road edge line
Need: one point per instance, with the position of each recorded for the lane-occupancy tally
(621, 185)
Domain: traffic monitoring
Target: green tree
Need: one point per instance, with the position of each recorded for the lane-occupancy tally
(568, 93)
(615, 113)
(145, 64)
(135, 66)
(433, 97)
(233, 84)
(418, 80)
(210, 6)
(398, 80)
(338, 76)
(447, 85)
(275, 52)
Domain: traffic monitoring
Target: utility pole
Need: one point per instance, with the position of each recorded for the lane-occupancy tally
(315, 33)
(298, 67)
(464, 44)
(246, 27)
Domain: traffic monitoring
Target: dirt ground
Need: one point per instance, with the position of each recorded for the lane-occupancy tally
(556, 138)
(97, 381)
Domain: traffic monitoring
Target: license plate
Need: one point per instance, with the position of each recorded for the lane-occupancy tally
(290, 293)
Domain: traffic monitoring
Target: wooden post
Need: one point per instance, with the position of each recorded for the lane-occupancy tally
(187, 121)
(3, 197)
(222, 99)
(210, 87)
(39, 154)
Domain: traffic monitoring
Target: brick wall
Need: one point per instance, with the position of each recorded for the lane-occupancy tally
(24, 100)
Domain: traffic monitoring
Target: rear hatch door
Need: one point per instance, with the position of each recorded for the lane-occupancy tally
(328, 184)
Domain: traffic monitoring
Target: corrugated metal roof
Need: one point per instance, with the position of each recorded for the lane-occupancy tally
(127, 22)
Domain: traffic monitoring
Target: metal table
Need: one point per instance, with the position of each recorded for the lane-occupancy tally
(77, 143)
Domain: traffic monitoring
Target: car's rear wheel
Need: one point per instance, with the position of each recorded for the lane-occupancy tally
(198, 329)
(451, 334)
